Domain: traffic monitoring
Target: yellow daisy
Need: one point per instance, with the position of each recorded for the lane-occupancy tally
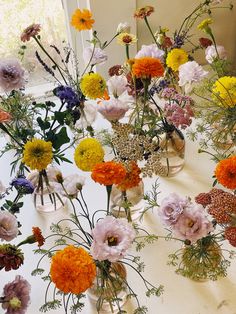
(204, 25)
(126, 39)
(37, 154)
(224, 90)
(93, 85)
(175, 58)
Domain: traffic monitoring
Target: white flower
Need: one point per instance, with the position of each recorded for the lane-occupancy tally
(98, 55)
(113, 109)
(123, 28)
(211, 53)
(150, 51)
(189, 73)
(2, 188)
(117, 85)
(52, 172)
(72, 184)
(88, 116)
(215, 2)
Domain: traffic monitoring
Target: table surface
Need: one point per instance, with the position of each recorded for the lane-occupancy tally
(181, 295)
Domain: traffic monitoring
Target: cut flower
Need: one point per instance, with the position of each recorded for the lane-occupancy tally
(82, 20)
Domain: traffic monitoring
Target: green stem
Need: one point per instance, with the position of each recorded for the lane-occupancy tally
(108, 188)
(127, 51)
(150, 30)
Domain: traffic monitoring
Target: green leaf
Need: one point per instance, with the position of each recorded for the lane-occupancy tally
(60, 117)
(59, 139)
(44, 125)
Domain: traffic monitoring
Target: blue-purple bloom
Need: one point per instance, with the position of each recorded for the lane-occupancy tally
(69, 96)
(22, 185)
(178, 41)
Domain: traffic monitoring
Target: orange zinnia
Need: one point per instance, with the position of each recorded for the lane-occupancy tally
(73, 270)
(147, 67)
(225, 172)
(132, 177)
(4, 116)
(108, 173)
(82, 20)
(37, 233)
(144, 12)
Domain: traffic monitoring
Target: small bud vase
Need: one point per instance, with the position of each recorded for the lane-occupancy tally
(172, 149)
(128, 204)
(108, 292)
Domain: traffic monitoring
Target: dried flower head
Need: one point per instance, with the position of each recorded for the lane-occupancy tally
(144, 12)
(230, 235)
(30, 31)
(205, 42)
(11, 257)
(16, 296)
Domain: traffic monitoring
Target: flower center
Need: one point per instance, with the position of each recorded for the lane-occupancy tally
(190, 223)
(15, 303)
(127, 39)
(112, 241)
(82, 20)
(37, 152)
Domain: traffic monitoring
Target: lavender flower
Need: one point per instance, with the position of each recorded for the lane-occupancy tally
(94, 56)
(178, 41)
(16, 296)
(22, 185)
(8, 226)
(171, 208)
(212, 53)
(150, 51)
(112, 238)
(193, 223)
(69, 96)
(11, 75)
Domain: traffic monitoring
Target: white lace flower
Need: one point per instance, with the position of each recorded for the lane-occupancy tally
(211, 53)
(150, 51)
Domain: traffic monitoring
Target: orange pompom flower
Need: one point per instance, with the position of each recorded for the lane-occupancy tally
(147, 67)
(73, 270)
(225, 172)
(108, 173)
(82, 20)
(132, 177)
(37, 234)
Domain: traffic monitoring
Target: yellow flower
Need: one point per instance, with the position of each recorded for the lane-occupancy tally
(224, 90)
(204, 25)
(37, 154)
(93, 85)
(126, 39)
(88, 153)
(81, 20)
(175, 58)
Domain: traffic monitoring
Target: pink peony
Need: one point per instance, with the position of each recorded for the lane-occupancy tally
(150, 51)
(193, 223)
(112, 237)
(8, 226)
(113, 109)
(16, 296)
(171, 208)
(11, 75)
(94, 55)
(212, 55)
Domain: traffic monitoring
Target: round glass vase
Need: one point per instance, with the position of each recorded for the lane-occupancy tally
(128, 204)
(203, 261)
(46, 200)
(172, 151)
(108, 292)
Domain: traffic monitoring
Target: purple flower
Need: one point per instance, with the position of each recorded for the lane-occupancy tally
(22, 185)
(11, 75)
(112, 237)
(16, 296)
(193, 223)
(171, 208)
(178, 41)
(8, 226)
(69, 96)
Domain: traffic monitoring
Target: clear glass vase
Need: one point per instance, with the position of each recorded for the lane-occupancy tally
(128, 204)
(172, 150)
(203, 261)
(108, 292)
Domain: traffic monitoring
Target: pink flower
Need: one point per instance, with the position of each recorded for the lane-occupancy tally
(150, 51)
(171, 208)
(193, 223)
(30, 31)
(16, 296)
(113, 109)
(189, 73)
(11, 75)
(94, 55)
(112, 237)
(211, 53)
(8, 226)
(178, 116)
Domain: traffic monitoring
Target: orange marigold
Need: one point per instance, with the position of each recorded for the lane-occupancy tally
(73, 270)
(82, 20)
(37, 233)
(147, 67)
(132, 177)
(225, 172)
(108, 173)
